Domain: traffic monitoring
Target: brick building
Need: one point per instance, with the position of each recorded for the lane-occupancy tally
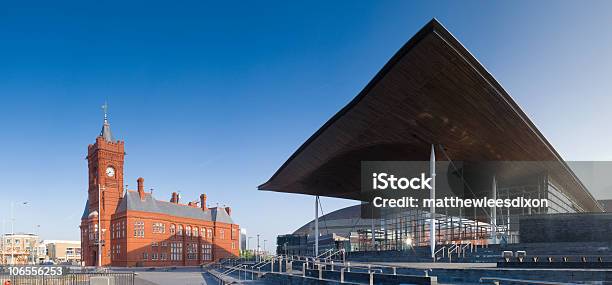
(137, 229)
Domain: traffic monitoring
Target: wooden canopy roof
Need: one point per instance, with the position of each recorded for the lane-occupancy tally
(432, 91)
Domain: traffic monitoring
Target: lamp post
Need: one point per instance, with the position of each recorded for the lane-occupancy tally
(13, 231)
(35, 247)
(99, 227)
(248, 241)
(257, 248)
(3, 246)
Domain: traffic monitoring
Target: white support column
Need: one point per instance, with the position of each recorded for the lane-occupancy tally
(432, 224)
(316, 233)
(373, 237)
(494, 211)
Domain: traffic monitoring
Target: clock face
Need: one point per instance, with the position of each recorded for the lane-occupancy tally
(110, 171)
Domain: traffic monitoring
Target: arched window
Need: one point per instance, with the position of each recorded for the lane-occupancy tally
(172, 229)
(203, 232)
(195, 231)
(188, 231)
(180, 230)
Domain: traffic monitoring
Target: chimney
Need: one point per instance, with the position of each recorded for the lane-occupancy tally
(203, 202)
(228, 210)
(141, 188)
(174, 198)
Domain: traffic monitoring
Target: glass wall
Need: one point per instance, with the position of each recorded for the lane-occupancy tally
(407, 228)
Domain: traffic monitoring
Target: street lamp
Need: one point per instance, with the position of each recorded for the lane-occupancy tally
(257, 248)
(100, 231)
(247, 245)
(35, 247)
(13, 231)
(98, 227)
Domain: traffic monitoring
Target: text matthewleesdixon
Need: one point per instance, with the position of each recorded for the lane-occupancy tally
(384, 181)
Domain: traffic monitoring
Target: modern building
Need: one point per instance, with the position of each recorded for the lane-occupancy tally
(63, 251)
(139, 230)
(433, 95)
(19, 248)
(243, 239)
(338, 230)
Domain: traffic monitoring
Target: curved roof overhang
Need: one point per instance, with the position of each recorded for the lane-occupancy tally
(432, 91)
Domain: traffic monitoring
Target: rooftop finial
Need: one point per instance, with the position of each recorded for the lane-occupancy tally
(106, 132)
(105, 108)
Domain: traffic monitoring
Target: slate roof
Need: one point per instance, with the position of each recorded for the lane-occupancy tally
(85, 211)
(106, 132)
(220, 215)
(132, 202)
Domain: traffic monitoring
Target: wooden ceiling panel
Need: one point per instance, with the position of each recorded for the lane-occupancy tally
(433, 91)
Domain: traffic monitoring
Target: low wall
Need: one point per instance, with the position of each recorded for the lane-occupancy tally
(575, 227)
(361, 277)
(555, 264)
(473, 275)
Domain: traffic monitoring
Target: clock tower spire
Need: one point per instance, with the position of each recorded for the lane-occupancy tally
(106, 131)
(105, 163)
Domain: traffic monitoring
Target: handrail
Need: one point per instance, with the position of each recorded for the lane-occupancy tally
(523, 281)
(222, 278)
(264, 264)
(436, 252)
(325, 252)
(331, 254)
(260, 263)
(450, 250)
(232, 269)
(466, 245)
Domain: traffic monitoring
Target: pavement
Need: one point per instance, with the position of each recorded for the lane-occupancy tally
(169, 276)
(172, 278)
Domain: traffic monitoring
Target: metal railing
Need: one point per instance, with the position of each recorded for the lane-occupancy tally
(463, 247)
(496, 280)
(119, 278)
(435, 254)
(450, 250)
(325, 252)
(310, 264)
(221, 279)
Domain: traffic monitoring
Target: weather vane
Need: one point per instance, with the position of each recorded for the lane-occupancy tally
(105, 108)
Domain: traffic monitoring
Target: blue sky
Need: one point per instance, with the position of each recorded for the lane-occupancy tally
(213, 99)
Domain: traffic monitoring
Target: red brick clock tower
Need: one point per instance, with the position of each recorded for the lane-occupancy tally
(105, 162)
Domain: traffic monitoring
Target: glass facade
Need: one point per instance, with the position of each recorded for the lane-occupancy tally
(408, 228)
